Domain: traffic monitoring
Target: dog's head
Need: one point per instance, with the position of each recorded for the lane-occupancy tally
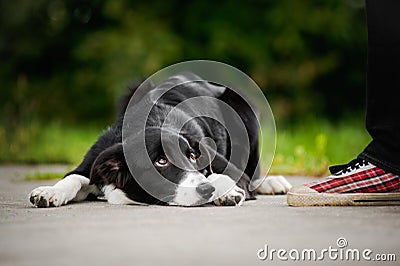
(172, 169)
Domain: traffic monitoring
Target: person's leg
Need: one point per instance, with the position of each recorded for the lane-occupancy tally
(383, 82)
(372, 178)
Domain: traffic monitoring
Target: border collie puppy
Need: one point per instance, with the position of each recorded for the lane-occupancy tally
(174, 143)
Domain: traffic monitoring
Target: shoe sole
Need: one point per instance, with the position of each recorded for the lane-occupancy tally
(348, 199)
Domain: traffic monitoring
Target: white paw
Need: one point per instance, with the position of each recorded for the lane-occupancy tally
(275, 184)
(47, 196)
(234, 197)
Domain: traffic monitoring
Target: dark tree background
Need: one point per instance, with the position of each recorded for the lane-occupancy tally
(69, 60)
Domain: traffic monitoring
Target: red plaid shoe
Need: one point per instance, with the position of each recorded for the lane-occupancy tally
(357, 183)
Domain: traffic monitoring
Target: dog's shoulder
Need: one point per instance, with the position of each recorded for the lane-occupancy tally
(174, 89)
(191, 85)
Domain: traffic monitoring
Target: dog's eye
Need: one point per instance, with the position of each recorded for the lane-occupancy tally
(162, 161)
(192, 157)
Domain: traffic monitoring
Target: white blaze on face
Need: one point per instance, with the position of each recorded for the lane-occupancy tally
(186, 193)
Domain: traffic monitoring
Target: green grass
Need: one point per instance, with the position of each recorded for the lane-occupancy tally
(303, 149)
(43, 176)
(309, 148)
(37, 143)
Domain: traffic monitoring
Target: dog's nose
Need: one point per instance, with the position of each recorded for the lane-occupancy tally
(205, 190)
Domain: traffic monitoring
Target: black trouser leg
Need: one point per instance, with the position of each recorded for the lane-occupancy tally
(383, 84)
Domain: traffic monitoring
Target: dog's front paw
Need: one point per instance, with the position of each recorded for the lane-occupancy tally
(272, 185)
(234, 197)
(47, 196)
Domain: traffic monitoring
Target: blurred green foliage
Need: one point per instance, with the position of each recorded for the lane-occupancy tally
(69, 60)
(63, 64)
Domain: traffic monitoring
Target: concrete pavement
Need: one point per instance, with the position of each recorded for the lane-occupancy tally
(96, 233)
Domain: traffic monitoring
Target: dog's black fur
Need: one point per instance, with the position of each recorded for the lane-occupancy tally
(105, 162)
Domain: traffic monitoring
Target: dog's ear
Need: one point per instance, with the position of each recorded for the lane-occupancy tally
(110, 168)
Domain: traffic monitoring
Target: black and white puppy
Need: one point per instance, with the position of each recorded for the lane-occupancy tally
(200, 171)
